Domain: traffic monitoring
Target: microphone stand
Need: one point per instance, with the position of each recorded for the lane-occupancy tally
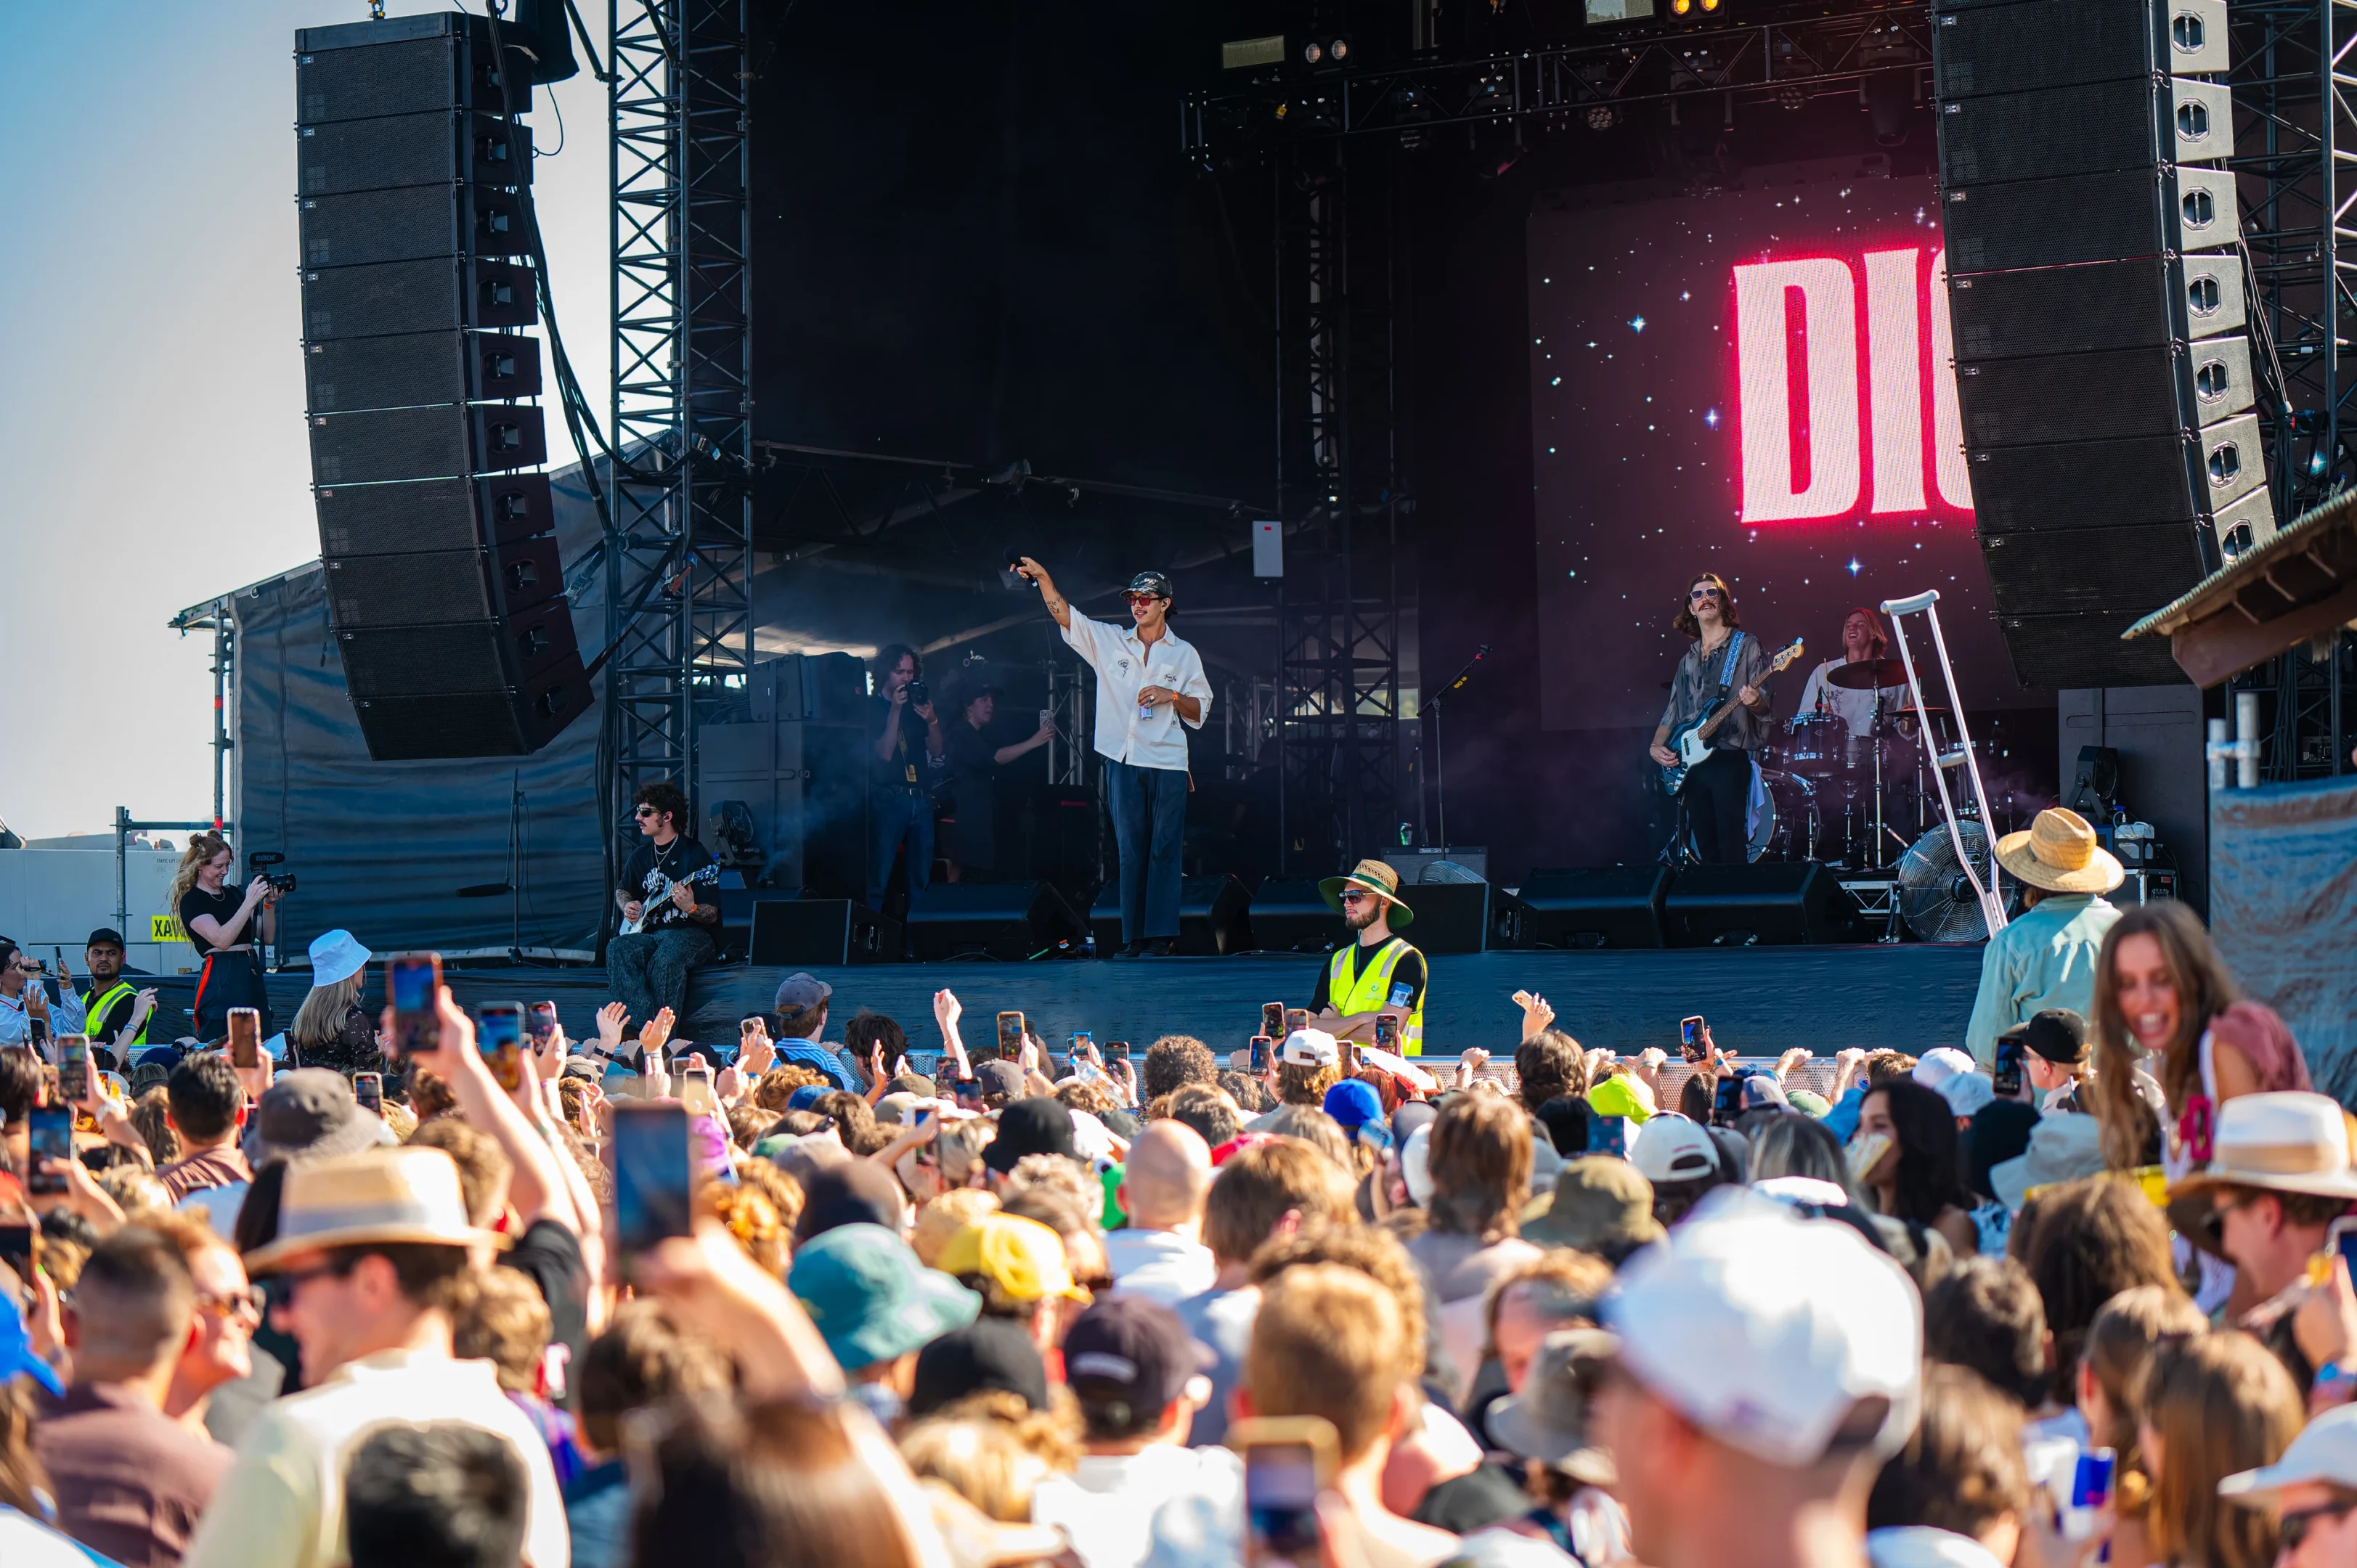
(512, 886)
(1432, 710)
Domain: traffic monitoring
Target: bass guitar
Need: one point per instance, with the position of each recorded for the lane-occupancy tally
(1691, 740)
(707, 876)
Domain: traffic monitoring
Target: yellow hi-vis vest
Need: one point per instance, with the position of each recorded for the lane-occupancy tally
(95, 1007)
(1373, 991)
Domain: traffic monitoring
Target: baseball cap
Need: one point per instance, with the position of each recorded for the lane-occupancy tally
(806, 1096)
(1411, 1115)
(1353, 1104)
(2325, 1453)
(2058, 1034)
(1022, 1257)
(1937, 1066)
(1621, 1095)
(1804, 1318)
(917, 1084)
(797, 993)
(988, 1353)
(1311, 1047)
(870, 1297)
(1671, 1148)
(102, 936)
(1153, 583)
(1761, 1089)
(1967, 1092)
(1808, 1102)
(1038, 1126)
(1416, 1166)
(848, 1192)
(999, 1078)
(1129, 1357)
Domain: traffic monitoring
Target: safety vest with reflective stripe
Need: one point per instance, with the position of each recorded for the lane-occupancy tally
(1371, 992)
(95, 1008)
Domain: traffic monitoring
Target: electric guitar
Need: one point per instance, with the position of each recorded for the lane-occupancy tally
(1691, 740)
(708, 876)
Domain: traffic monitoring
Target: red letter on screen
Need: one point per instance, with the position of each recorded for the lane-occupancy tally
(1895, 379)
(1773, 490)
(1947, 422)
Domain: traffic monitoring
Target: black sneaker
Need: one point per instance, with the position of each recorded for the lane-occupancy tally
(1162, 947)
(1134, 949)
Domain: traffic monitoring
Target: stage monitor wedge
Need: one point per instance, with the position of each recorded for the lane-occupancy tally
(1766, 904)
(1010, 921)
(1595, 907)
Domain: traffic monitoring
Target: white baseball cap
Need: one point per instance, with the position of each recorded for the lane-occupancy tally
(1311, 1047)
(1935, 1067)
(1802, 1318)
(1967, 1092)
(1674, 1149)
(1416, 1166)
(2325, 1451)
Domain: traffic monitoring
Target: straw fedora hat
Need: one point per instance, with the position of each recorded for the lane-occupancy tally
(383, 1194)
(2285, 1141)
(2059, 853)
(1375, 877)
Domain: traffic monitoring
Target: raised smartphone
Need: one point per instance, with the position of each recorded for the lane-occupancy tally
(653, 1176)
(414, 983)
(1116, 1050)
(1287, 1462)
(1011, 1036)
(1726, 1101)
(1296, 1018)
(1608, 1135)
(1690, 1043)
(1271, 1018)
(541, 1026)
(49, 1131)
(2007, 1076)
(73, 1068)
(1260, 1053)
(695, 1091)
(1387, 1030)
(244, 1037)
(368, 1088)
(498, 1039)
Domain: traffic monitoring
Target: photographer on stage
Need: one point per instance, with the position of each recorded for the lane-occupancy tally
(226, 929)
(1148, 685)
(907, 746)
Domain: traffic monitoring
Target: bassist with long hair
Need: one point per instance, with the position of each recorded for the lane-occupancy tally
(1721, 694)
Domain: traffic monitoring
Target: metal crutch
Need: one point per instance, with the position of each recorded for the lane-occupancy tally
(1992, 907)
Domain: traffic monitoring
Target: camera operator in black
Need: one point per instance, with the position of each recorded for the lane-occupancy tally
(227, 929)
(906, 748)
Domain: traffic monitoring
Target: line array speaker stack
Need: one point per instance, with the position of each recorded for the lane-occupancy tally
(435, 527)
(2103, 364)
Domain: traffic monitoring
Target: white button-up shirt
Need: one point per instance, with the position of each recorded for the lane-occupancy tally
(1125, 666)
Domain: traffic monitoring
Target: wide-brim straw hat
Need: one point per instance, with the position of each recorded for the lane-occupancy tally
(2283, 1141)
(382, 1196)
(2059, 852)
(1375, 877)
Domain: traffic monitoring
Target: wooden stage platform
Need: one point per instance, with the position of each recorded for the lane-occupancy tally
(1759, 1001)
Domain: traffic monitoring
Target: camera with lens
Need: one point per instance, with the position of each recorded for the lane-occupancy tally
(261, 860)
(918, 694)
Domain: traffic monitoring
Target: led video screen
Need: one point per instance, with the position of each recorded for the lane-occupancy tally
(1754, 383)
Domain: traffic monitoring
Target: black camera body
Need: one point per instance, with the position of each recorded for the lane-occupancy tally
(918, 694)
(261, 860)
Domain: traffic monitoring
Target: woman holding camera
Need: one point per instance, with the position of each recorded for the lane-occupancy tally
(225, 928)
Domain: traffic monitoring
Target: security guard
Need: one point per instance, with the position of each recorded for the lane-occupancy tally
(1379, 972)
(116, 1010)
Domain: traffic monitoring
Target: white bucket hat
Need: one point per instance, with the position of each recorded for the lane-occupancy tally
(2285, 1141)
(336, 957)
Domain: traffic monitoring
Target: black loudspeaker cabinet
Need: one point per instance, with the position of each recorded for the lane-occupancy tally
(1293, 916)
(1211, 916)
(439, 294)
(1595, 907)
(2031, 43)
(796, 933)
(444, 587)
(2067, 219)
(1006, 920)
(505, 720)
(1450, 917)
(1771, 905)
(412, 368)
(406, 65)
(433, 514)
(451, 441)
(804, 788)
(438, 147)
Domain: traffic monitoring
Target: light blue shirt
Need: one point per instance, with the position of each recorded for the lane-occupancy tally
(16, 1025)
(2044, 958)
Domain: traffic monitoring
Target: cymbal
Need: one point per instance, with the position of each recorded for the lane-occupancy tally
(1866, 674)
(1911, 711)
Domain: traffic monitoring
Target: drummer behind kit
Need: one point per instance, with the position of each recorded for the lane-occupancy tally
(1859, 778)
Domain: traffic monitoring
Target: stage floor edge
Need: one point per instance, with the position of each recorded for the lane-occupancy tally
(1759, 1001)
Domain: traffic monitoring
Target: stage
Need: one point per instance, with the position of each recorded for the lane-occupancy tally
(1760, 1001)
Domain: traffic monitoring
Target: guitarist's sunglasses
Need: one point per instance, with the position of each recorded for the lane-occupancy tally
(1704, 594)
(644, 812)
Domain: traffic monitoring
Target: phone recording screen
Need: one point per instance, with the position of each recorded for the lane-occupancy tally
(1260, 1053)
(73, 1065)
(1608, 1135)
(498, 1024)
(50, 1136)
(411, 985)
(1010, 1036)
(2007, 1076)
(1728, 1103)
(1271, 1018)
(653, 1176)
(544, 1020)
(1281, 1499)
(368, 1088)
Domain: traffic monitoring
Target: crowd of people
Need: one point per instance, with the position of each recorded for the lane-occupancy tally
(1350, 1310)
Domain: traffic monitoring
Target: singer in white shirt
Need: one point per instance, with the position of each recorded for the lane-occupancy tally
(1149, 684)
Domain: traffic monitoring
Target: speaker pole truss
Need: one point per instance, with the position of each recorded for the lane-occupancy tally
(679, 569)
(2296, 137)
(1338, 708)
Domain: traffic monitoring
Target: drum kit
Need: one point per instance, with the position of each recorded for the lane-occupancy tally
(1852, 800)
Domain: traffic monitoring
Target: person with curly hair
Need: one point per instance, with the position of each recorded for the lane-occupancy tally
(1175, 1060)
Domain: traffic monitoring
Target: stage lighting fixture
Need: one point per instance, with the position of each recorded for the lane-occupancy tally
(1792, 98)
(1333, 49)
(1609, 11)
(1600, 117)
(1313, 53)
(1242, 54)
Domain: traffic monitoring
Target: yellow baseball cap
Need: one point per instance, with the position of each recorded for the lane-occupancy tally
(1022, 1257)
(1622, 1096)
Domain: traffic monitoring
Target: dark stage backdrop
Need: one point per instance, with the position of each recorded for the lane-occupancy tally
(1752, 381)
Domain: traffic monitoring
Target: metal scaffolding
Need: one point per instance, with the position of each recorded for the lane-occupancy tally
(2296, 135)
(679, 565)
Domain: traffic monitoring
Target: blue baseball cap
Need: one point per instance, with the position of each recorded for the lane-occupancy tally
(1353, 1104)
(808, 1095)
(871, 1299)
(17, 1353)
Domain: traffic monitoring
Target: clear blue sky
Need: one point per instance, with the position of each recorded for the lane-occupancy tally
(151, 389)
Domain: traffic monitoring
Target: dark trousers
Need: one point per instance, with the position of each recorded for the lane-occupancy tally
(229, 980)
(894, 815)
(647, 972)
(1149, 830)
(1715, 793)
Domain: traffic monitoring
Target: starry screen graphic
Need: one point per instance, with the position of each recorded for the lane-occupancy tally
(1754, 383)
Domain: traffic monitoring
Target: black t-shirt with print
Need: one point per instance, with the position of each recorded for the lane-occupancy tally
(648, 875)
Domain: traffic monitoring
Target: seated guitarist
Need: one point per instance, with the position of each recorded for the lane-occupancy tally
(1724, 665)
(648, 969)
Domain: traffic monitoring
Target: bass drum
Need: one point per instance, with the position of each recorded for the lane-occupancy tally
(1818, 748)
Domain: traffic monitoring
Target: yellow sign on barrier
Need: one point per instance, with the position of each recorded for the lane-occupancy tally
(165, 929)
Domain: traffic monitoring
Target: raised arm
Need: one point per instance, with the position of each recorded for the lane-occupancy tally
(1057, 606)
